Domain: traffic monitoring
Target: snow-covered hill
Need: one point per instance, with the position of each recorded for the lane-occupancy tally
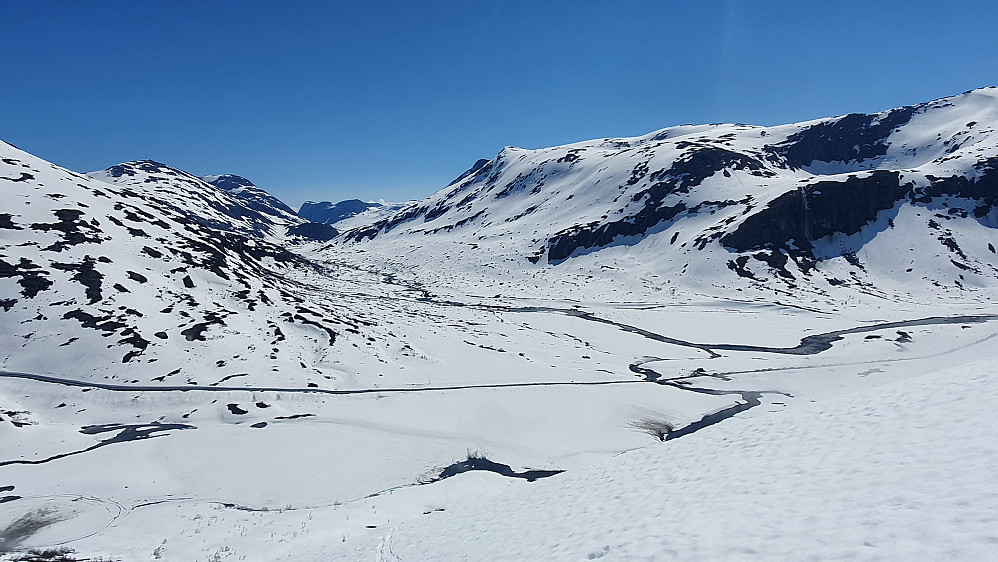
(245, 209)
(894, 202)
(252, 196)
(149, 278)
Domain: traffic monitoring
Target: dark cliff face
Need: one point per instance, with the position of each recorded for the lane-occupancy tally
(314, 231)
(795, 219)
(685, 174)
(855, 137)
(983, 189)
(329, 213)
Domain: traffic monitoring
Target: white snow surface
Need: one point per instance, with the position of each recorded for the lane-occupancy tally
(901, 472)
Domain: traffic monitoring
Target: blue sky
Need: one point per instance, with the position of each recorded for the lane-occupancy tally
(336, 100)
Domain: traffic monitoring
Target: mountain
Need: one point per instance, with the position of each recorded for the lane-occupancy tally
(331, 213)
(882, 202)
(225, 202)
(143, 264)
(253, 196)
(245, 209)
(349, 214)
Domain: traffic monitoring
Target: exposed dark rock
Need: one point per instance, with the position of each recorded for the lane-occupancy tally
(738, 265)
(136, 341)
(795, 219)
(776, 260)
(482, 463)
(460, 223)
(328, 213)
(235, 409)
(314, 231)
(196, 332)
(86, 275)
(856, 136)
(983, 190)
(31, 281)
(952, 246)
(329, 331)
(294, 416)
(438, 210)
(7, 222)
(120, 170)
(686, 173)
(478, 165)
(74, 230)
(388, 224)
(594, 234)
(534, 180)
(87, 320)
(23, 177)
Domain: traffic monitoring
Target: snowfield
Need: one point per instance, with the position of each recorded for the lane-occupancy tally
(903, 471)
(707, 343)
(899, 471)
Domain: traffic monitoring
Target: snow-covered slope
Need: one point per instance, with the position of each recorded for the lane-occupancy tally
(252, 196)
(900, 201)
(900, 472)
(150, 278)
(246, 210)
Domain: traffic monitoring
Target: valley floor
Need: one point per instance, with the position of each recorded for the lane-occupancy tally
(800, 431)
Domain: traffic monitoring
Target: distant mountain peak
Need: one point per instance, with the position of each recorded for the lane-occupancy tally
(330, 213)
(228, 182)
(135, 166)
(481, 162)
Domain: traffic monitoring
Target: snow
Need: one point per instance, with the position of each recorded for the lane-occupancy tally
(900, 472)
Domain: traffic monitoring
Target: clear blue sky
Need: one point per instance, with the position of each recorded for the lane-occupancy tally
(391, 99)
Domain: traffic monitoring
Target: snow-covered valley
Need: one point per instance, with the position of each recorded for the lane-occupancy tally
(514, 368)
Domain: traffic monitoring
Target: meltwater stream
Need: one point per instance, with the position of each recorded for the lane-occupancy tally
(809, 345)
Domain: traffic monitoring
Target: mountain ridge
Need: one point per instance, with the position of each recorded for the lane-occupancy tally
(781, 199)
